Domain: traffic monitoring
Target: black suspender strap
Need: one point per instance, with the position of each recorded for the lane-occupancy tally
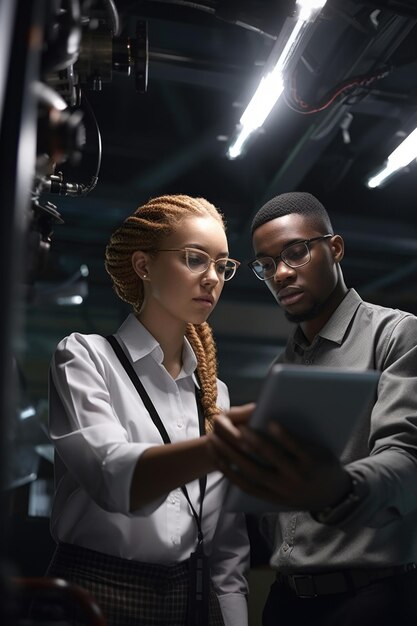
(160, 426)
(199, 571)
(139, 387)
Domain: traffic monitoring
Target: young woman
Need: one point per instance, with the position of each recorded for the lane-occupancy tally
(138, 514)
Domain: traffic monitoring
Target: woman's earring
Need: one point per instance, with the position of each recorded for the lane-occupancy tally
(144, 275)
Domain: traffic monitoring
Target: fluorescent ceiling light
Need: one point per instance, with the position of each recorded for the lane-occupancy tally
(272, 84)
(308, 9)
(29, 411)
(75, 300)
(400, 158)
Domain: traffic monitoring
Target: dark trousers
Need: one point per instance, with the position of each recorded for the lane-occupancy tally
(387, 602)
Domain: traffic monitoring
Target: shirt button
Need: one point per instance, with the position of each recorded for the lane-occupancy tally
(180, 424)
(172, 500)
(285, 546)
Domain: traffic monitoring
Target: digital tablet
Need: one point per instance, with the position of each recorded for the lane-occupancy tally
(320, 404)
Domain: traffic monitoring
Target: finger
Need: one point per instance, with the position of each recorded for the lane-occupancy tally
(293, 471)
(248, 465)
(232, 454)
(226, 430)
(305, 452)
(226, 451)
(294, 445)
(258, 490)
(234, 474)
(240, 414)
(271, 452)
(230, 434)
(245, 472)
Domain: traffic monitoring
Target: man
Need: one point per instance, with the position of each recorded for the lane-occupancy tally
(346, 551)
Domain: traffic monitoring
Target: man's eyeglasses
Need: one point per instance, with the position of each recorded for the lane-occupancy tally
(295, 255)
(198, 262)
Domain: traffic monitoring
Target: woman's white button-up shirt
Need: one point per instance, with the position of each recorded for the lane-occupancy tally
(100, 427)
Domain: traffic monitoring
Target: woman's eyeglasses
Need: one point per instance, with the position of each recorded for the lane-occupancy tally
(295, 255)
(198, 262)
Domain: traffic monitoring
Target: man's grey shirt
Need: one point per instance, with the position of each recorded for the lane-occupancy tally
(381, 455)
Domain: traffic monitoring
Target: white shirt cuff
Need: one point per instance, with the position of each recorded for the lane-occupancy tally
(234, 608)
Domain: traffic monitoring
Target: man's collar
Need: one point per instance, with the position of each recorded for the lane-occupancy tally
(335, 328)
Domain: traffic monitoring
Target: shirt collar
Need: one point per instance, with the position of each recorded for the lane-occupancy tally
(139, 343)
(335, 328)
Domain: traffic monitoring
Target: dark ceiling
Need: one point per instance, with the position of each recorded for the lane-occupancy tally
(358, 65)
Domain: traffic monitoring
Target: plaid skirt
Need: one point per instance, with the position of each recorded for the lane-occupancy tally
(130, 593)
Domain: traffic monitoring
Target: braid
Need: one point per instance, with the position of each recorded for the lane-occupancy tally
(143, 230)
(201, 338)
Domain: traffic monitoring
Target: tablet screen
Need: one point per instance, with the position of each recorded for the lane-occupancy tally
(319, 404)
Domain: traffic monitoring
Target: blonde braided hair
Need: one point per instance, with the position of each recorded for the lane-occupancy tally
(143, 230)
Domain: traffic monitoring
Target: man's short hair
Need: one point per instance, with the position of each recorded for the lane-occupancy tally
(294, 202)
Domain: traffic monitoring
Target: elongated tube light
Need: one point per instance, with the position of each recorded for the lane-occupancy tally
(272, 84)
(401, 157)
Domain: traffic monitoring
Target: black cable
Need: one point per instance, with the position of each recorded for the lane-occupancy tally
(55, 183)
(94, 179)
(295, 103)
(198, 6)
(114, 16)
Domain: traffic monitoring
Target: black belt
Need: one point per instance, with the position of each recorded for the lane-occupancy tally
(313, 585)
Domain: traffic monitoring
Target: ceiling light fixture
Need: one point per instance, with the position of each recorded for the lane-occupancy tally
(272, 84)
(397, 160)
